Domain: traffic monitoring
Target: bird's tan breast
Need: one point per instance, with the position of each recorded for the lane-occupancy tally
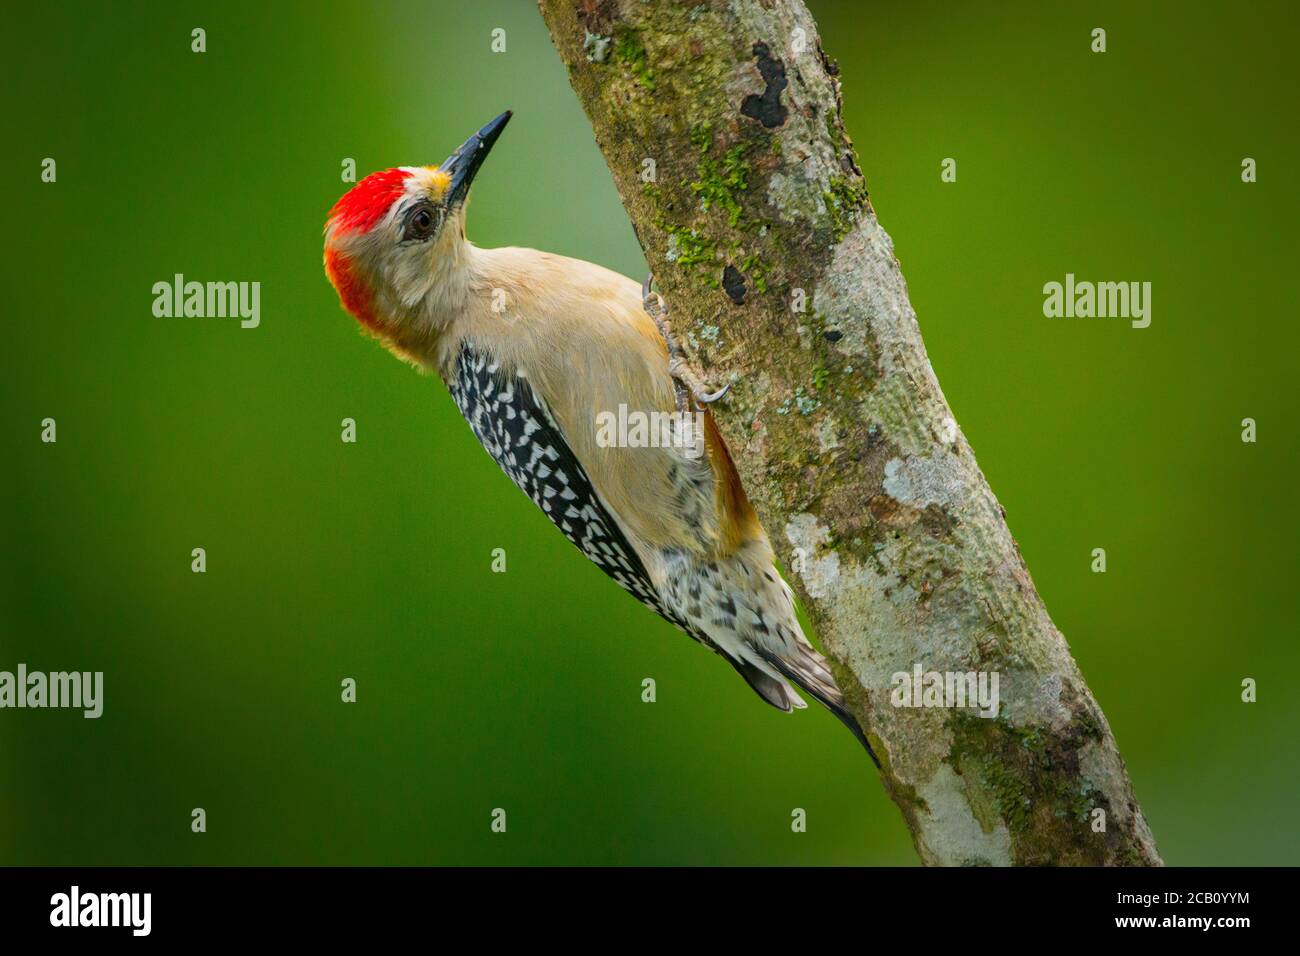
(580, 336)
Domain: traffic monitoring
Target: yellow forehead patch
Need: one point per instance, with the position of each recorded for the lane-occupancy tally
(435, 181)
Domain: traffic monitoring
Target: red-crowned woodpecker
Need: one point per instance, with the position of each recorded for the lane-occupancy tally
(542, 354)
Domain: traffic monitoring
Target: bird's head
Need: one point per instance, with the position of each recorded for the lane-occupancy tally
(395, 246)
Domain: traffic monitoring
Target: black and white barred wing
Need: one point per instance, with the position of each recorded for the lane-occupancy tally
(520, 434)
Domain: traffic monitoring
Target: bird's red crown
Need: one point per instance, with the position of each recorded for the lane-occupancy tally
(366, 203)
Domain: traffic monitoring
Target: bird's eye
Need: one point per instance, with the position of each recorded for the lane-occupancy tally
(421, 224)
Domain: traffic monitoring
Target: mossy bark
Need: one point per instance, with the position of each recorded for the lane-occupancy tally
(721, 124)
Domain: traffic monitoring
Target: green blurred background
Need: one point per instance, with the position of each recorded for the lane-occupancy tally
(522, 690)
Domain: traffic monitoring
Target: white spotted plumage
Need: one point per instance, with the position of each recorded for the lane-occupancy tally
(737, 605)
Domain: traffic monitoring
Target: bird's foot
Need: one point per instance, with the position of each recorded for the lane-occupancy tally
(686, 384)
(683, 373)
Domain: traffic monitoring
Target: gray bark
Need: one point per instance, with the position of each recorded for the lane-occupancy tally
(761, 236)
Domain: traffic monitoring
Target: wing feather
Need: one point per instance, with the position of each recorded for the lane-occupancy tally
(515, 427)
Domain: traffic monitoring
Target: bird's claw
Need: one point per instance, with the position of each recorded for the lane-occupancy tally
(708, 398)
(685, 381)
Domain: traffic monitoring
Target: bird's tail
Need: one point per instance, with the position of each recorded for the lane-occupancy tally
(808, 671)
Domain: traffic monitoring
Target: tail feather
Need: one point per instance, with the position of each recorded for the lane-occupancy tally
(810, 674)
(776, 692)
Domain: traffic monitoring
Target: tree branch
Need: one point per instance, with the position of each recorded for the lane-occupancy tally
(721, 124)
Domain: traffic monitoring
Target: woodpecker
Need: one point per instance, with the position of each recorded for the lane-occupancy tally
(533, 347)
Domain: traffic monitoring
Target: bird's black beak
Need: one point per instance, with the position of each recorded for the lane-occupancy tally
(463, 164)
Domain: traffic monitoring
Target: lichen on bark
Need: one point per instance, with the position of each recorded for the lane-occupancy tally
(758, 226)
